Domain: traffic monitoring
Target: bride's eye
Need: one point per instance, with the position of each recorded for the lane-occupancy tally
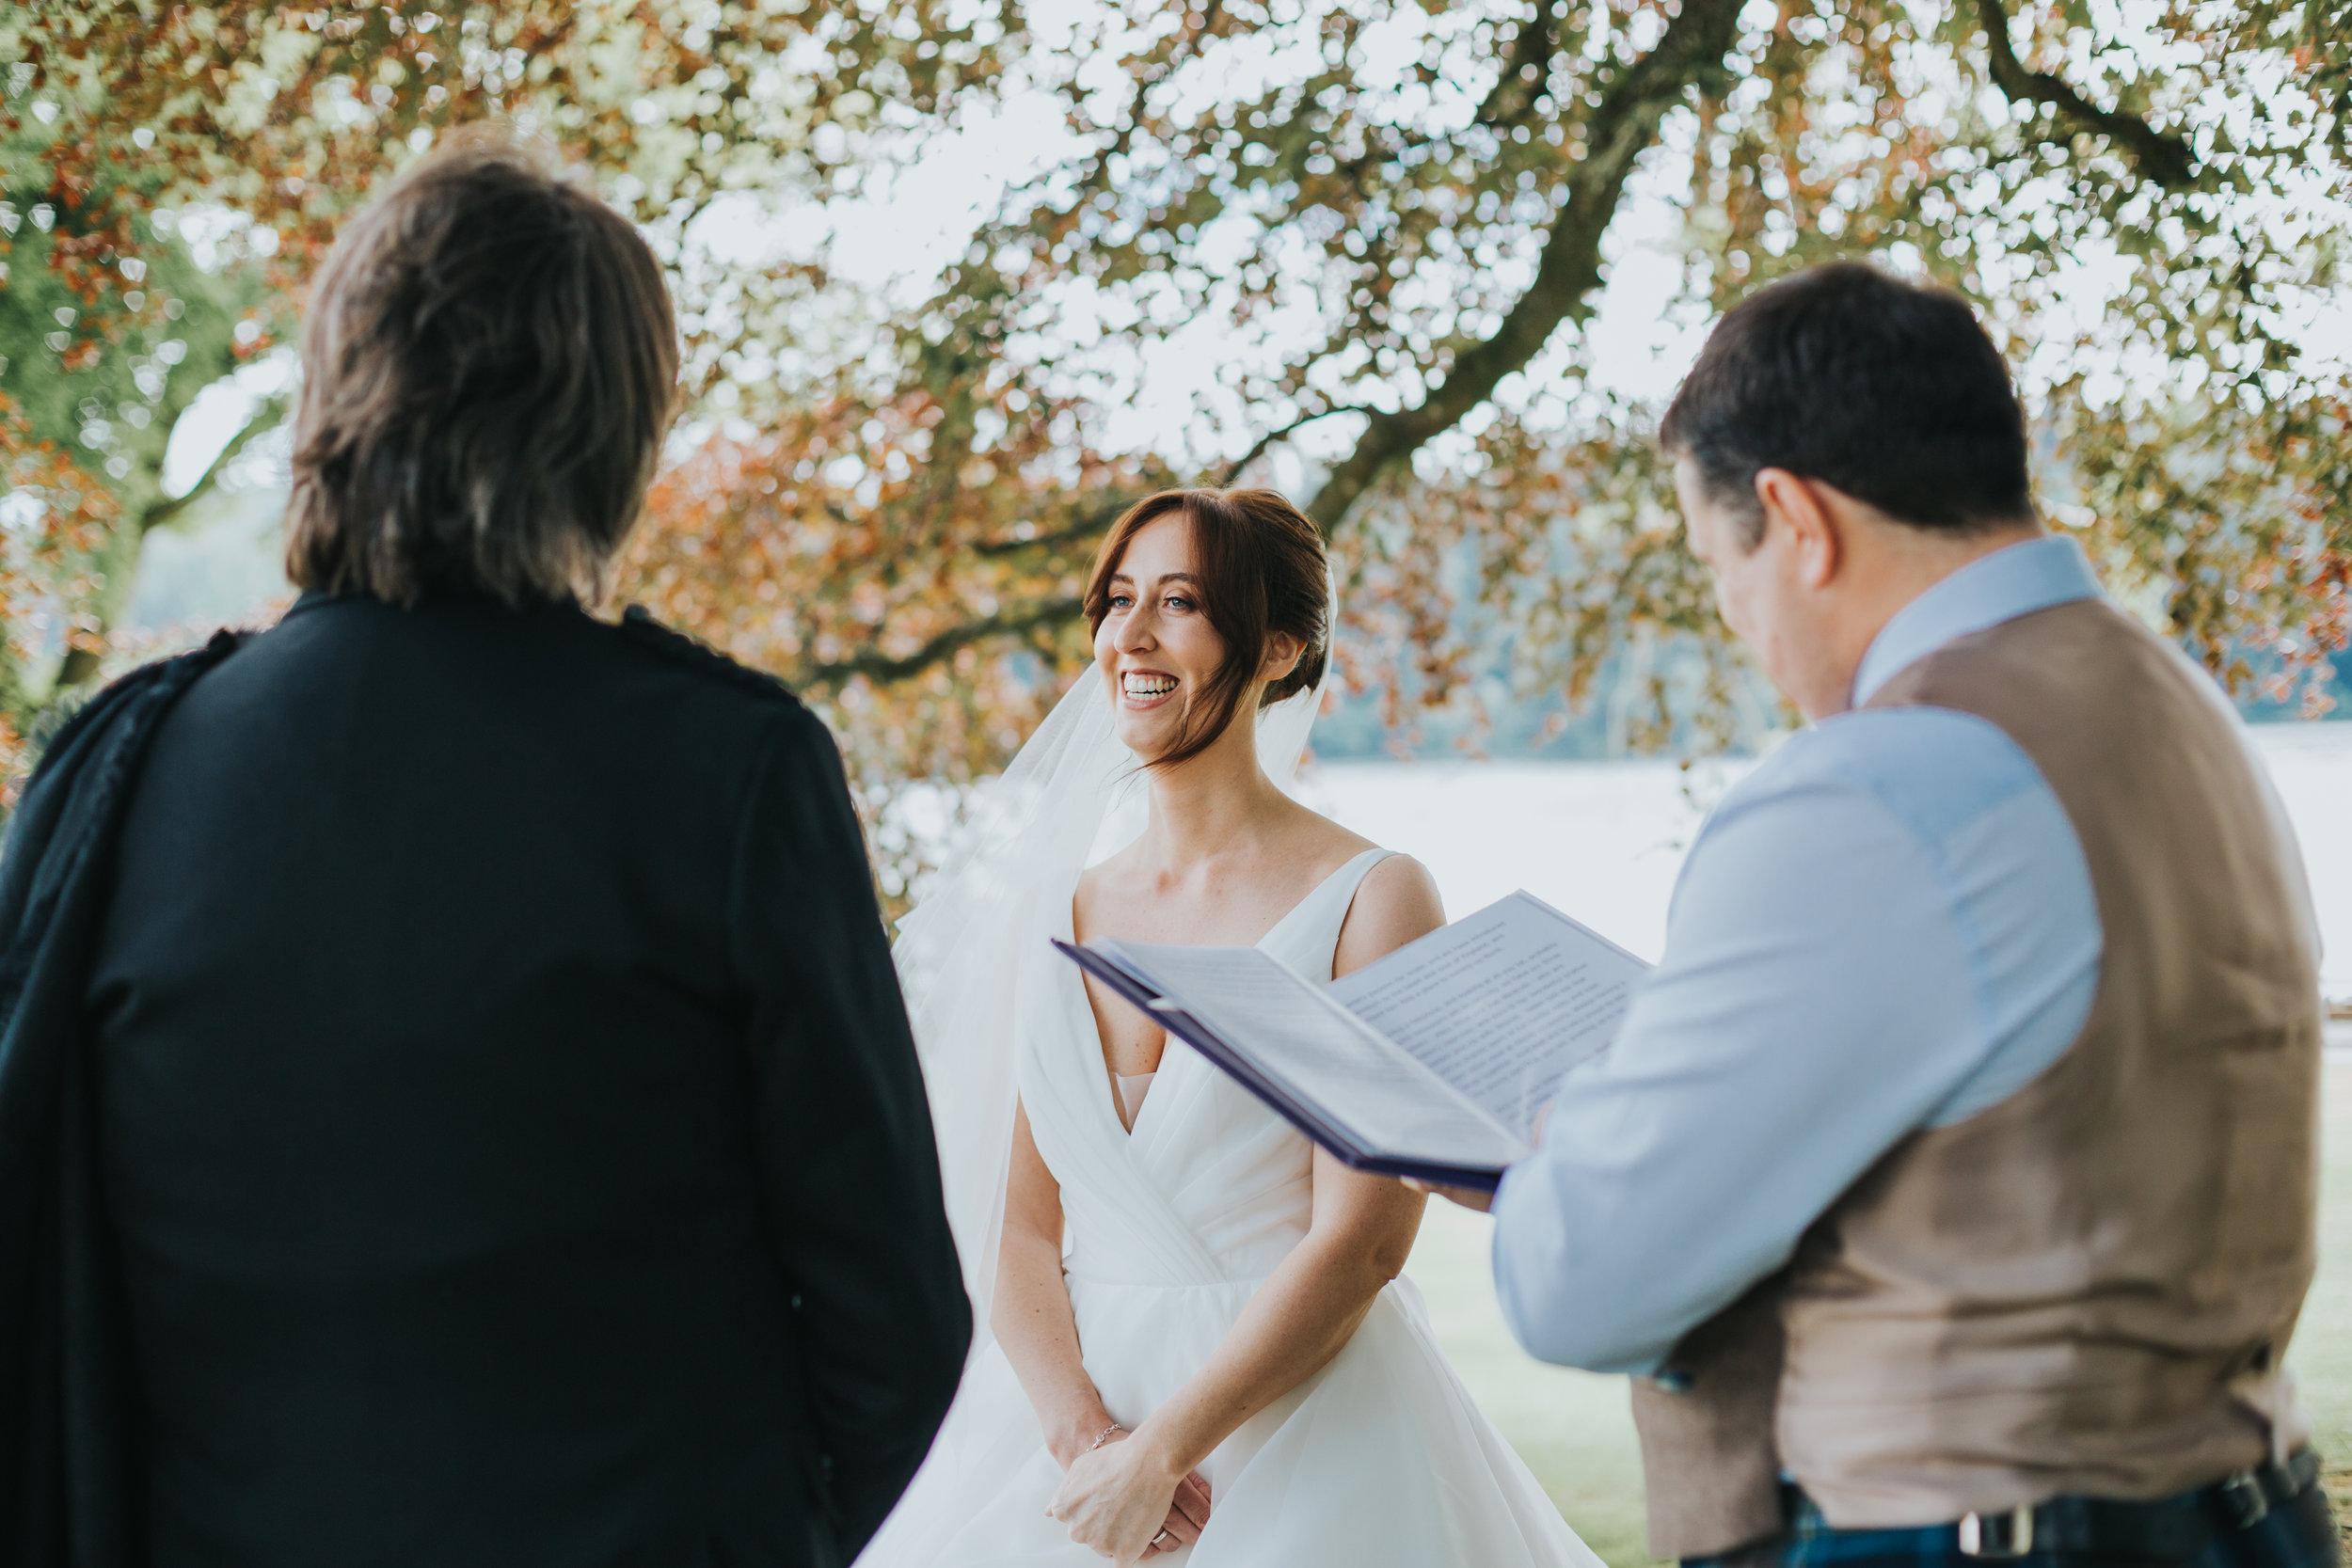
(1122, 601)
(1177, 601)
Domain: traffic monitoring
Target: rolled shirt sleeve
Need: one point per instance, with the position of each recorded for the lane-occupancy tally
(1889, 924)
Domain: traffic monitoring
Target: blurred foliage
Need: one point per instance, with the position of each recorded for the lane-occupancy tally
(2227, 522)
(52, 538)
(109, 329)
(1385, 224)
(171, 175)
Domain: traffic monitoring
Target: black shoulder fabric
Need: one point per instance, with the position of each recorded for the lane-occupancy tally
(65, 1484)
(638, 625)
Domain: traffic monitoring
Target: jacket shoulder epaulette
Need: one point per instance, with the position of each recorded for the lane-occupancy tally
(639, 627)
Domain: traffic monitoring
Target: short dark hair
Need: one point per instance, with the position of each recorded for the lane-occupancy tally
(1886, 390)
(489, 364)
(1260, 569)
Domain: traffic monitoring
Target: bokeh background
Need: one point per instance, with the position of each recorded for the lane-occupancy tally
(959, 279)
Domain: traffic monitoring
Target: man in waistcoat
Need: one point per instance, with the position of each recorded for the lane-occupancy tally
(1951, 1186)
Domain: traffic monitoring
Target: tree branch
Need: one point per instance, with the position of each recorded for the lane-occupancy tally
(267, 416)
(1533, 46)
(81, 663)
(882, 667)
(1094, 525)
(1258, 448)
(1077, 533)
(879, 667)
(2163, 158)
(1622, 127)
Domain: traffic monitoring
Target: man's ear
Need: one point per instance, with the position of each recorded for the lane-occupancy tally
(1793, 504)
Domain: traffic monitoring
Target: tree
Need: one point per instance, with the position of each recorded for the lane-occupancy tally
(1388, 225)
(108, 331)
(1391, 224)
(267, 122)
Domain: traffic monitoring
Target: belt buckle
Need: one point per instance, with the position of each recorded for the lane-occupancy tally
(2245, 1498)
(1998, 1535)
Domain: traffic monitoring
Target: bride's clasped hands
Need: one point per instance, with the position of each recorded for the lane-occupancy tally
(1129, 1500)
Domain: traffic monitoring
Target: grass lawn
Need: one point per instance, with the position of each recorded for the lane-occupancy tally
(1576, 1433)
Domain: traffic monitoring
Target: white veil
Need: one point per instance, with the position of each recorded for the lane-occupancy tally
(1074, 795)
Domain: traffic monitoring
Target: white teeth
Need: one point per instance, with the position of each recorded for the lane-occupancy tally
(1147, 686)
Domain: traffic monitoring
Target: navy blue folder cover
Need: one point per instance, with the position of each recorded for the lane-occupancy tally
(1344, 1145)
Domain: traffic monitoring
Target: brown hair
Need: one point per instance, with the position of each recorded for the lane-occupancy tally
(1885, 389)
(489, 364)
(1261, 570)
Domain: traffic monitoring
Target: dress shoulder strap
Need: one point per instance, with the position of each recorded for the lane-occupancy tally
(1308, 937)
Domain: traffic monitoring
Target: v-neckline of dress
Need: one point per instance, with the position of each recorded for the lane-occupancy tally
(1157, 1091)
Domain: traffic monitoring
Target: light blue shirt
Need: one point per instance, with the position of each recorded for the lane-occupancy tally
(1889, 924)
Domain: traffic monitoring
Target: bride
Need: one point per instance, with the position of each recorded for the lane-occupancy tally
(1196, 1342)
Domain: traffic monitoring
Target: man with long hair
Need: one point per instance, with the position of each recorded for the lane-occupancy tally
(484, 1129)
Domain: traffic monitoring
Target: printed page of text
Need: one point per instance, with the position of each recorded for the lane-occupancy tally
(1501, 1005)
(1326, 1058)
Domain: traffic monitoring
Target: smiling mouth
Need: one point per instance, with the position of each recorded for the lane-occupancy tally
(1140, 689)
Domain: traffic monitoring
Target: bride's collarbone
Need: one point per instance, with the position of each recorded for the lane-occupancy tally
(1234, 907)
(1239, 908)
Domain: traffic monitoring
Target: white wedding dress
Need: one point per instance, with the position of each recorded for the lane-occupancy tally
(1380, 1458)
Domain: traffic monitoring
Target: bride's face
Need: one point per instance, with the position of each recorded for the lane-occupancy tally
(1155, 647)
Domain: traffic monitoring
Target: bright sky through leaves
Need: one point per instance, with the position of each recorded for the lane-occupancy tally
(959, 279)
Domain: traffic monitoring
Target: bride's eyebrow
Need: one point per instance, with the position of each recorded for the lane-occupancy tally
(1164, 577)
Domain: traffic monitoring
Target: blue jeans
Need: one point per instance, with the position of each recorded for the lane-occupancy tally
(2301, 1533)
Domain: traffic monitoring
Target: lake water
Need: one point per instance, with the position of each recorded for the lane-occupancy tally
(1603, 841)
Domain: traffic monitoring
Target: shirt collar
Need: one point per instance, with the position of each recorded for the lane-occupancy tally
(1999, 587)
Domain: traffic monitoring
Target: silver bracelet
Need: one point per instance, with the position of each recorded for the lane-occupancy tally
(1104, 1436)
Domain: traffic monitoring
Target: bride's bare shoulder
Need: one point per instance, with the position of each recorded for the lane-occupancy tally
(1399, 878)
(1122, 881)
(1106, 874)
(1315, 837)
(1397, 903)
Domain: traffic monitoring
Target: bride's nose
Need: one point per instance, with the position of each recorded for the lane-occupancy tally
(1136, 631)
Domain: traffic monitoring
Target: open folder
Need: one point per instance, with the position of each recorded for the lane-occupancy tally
(1431, 1062)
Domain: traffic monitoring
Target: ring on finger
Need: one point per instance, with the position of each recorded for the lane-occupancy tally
(1164, 1539)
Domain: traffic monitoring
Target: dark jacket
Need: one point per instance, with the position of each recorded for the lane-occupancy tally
(65, 1364)
(506, 1111)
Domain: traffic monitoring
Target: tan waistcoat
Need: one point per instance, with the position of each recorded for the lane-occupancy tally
(2086, 1287)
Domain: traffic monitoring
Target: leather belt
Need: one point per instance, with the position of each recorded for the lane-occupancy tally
(2177, 1526)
